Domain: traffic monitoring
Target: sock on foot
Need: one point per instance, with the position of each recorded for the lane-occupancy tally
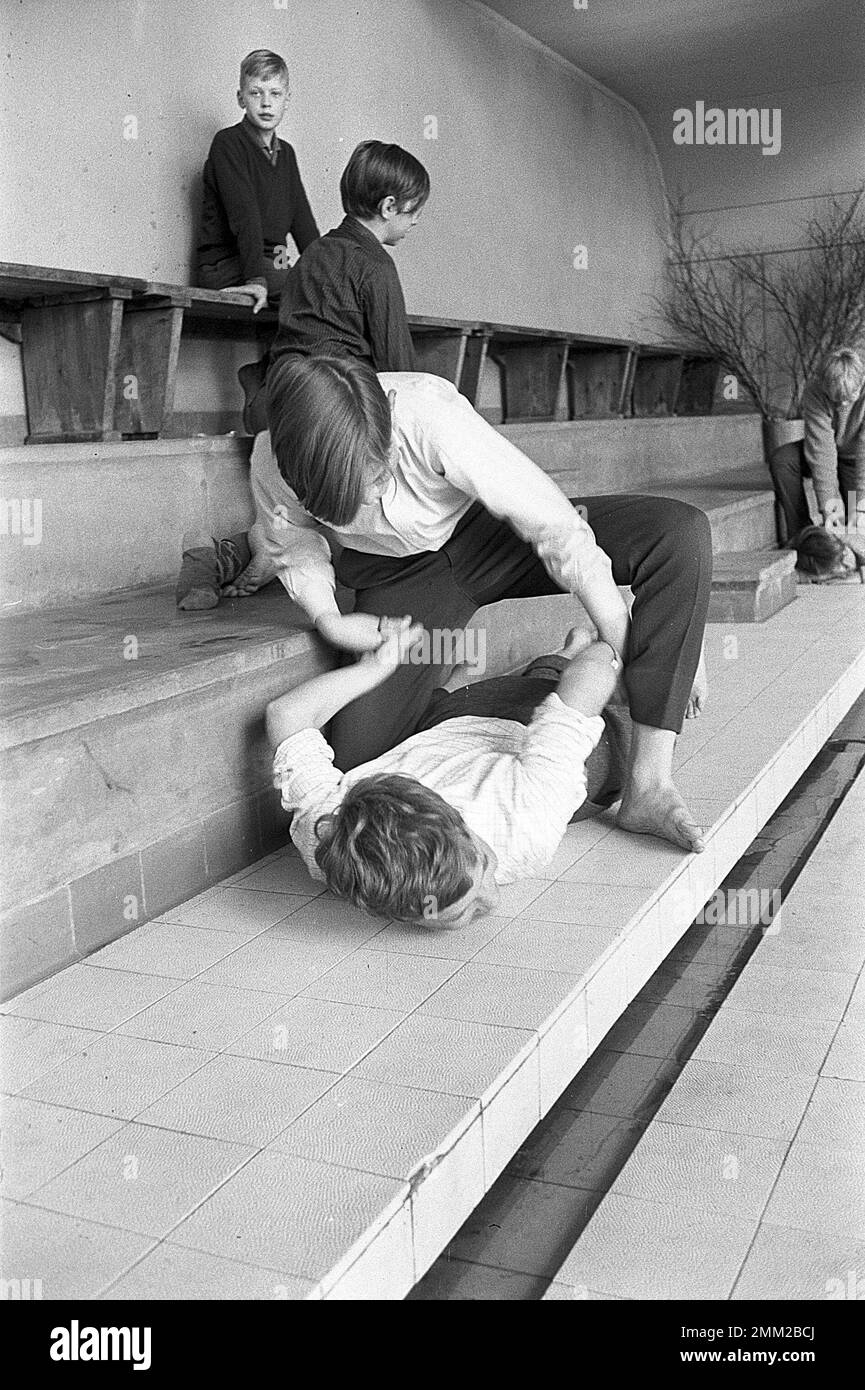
(198, 586)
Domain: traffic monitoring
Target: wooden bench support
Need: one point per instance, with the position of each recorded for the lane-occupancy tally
(70, 352)
(533, 373)
(147, 368)
(100, 357)
(477, 348)
(698, 385)
(442, 352)
(657, 375)
(597, 382)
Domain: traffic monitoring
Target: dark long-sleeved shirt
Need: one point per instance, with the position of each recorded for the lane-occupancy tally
(344, 298)
(832, 432)
(251, 201)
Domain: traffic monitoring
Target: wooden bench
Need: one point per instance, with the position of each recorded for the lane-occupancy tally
(71, 344)
(100, 356)
(670, 381)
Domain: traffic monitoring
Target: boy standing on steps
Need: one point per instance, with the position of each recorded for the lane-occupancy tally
(254, 197)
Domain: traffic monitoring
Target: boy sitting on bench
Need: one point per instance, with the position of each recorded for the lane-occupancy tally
(254, 197)
(480, 796)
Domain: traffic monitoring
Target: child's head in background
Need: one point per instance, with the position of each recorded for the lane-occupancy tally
(385, 188)
(263, 92)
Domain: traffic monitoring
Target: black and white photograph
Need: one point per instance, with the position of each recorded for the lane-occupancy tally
(432, 438)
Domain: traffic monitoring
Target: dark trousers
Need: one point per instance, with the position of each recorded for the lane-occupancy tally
(789, 469)
(253, 376)
(661, 548)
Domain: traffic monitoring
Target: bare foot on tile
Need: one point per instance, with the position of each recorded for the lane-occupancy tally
(661, 811)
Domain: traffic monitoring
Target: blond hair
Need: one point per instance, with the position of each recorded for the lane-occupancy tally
(842, 374)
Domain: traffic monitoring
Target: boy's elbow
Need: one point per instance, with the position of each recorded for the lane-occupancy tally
(280, 720)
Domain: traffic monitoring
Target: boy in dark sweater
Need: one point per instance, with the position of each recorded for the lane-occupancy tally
(253, 194)
(344, 298)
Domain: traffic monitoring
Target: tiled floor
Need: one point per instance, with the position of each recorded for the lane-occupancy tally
(584, 1142)
(750, 1183)
(267, 1094)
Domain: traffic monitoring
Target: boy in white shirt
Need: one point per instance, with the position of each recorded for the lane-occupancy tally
(430, 830)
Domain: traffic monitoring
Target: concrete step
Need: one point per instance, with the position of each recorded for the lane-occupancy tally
(342, 1023)
(750, 586)
(742, 516)
(88, 519)
(134, 762)
(133, 752)
(629, 455)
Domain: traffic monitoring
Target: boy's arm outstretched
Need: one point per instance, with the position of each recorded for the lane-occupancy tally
(591, 678)
(313, 704)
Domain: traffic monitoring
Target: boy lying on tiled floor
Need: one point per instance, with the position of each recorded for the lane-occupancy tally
(480, 796)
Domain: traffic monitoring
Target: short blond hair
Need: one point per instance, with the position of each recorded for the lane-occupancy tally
(842, 374)
(261, 63)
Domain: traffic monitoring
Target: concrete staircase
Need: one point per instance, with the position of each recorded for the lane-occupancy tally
(133, 754)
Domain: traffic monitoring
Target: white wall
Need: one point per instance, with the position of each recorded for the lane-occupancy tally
(750, 199)
(531, 160)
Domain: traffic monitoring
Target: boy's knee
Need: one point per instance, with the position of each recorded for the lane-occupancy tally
(688, 530)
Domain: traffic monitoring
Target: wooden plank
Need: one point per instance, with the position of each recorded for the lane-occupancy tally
(596, 382)
(505, 332)
(422, 321)
(532, 377)
(69, 355)
(477, 346)
(441, 353)
(656, 382)
(147, 368)
(216, 303)
(698, 385)
(32, 283)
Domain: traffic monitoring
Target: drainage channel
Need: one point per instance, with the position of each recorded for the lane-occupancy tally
(517, 1238)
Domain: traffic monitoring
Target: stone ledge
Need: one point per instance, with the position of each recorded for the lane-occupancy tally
(749, 587)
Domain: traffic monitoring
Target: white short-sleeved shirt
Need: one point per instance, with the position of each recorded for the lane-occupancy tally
(515, 786)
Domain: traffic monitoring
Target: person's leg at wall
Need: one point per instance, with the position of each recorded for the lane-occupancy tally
(788, 469)
(225, 275)
(253, 375)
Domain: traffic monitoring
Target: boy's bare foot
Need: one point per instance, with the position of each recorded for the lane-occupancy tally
(661, 811)
(699, 694)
